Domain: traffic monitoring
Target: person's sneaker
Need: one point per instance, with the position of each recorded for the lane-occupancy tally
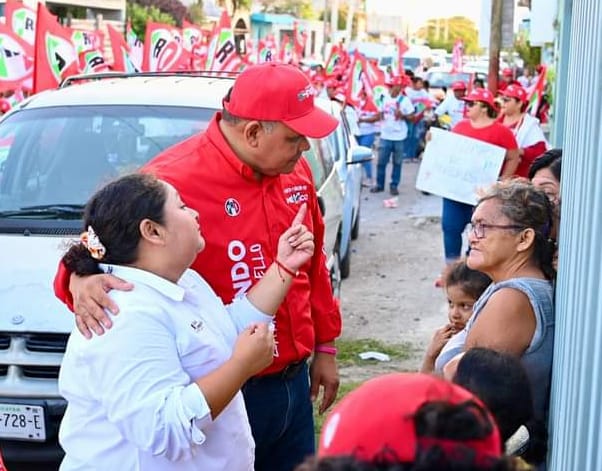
(376, 189)
(394, 191)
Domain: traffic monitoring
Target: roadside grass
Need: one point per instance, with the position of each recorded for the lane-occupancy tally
(349, 350)
(347, 356)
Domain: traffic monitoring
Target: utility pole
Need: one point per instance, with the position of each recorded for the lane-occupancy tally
(349, 21)
(495, 44)
(334, 21)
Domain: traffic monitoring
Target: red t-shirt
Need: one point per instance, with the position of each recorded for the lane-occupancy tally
(496, 134)
(242, 219)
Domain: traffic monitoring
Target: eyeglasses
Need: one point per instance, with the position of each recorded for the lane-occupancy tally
(478, 228)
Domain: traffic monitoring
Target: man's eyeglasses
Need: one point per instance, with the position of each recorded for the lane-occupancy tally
(478, 228)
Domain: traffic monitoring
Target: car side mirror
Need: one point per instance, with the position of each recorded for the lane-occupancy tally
(360, 154)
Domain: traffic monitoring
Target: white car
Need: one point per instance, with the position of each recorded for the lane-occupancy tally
(59, 147)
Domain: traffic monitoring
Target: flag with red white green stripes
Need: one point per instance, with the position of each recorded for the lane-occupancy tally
(536, 91)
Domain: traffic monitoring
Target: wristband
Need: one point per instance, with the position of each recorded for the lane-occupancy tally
(286, 269)
(326, 349)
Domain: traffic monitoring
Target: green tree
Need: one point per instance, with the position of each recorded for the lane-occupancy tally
(139, 16)
(298, 8)
(442, 33)
(235, 4)
(196, 13)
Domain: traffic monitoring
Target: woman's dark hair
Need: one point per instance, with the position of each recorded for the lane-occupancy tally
(115, 213)
(551, 159)
(437, 420)
(529, 208)
(472, 282)
(500, 381)
(491, 111)
(478, 83)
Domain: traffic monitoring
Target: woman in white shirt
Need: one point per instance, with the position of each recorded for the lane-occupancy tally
(161, 389)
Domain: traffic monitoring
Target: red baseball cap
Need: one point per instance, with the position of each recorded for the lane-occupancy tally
(279, 92)
(482, 95)
(395, 80)
(507, 72)
(376, 421)
(458, 85)
(515, 91)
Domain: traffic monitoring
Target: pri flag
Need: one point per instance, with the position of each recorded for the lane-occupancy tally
(374, 84)
(300, 39)
(163, 51)
(536, 92)
(136, 47)
(55, 56)
(286, 53)
(122, 60)
(92, 62)
(222, 55)
(355, 84)
(84, 40)
(267, 50)
(401, 48)
(457, 57)
(22, 21)
(16, 66)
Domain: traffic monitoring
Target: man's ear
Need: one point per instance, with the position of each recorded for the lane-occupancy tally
(152, 232)
(252, 132)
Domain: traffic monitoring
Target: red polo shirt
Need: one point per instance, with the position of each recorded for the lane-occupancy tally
(241, 219)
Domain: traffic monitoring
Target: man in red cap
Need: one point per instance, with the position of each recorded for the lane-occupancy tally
(507, 79)
(245, 177)
(453, 105)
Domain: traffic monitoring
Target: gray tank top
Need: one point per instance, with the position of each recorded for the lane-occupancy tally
(537, 359)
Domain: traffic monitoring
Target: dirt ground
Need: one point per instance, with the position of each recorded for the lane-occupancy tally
(390, 294)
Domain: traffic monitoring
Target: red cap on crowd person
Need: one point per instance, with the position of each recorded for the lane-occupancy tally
(279, 92)
(395, 80)
(458, 85)
(515, 91)
(4, 105)
(376, 421)
(507, 72)
(481, 94)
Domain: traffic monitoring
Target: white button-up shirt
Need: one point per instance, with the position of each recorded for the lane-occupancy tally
(132, 401)
(453, 107)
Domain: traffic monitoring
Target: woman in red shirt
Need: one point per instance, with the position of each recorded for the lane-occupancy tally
(529, 136)
(482, 125)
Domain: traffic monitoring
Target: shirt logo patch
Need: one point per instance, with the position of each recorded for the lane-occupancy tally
(232, 207)
(197, 326)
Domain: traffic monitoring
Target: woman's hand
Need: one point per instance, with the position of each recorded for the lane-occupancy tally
(254, 348)
(296, 244)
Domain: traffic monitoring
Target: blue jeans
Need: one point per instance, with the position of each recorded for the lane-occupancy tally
(367, 140)
(385, 150)
(416, 132)
(454, 218)
(281, 417)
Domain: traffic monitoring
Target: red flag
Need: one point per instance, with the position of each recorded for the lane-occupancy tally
(300, 40)
(22, 21)
(136, 46)
(457, 57)
(536, 91)
(92, 62)
(402, 48)
(55, 56)
(16, 67)
(122, 62)
(222, 55)
(286, 53)
(355, 84)
(374, 84)
(267, 50)
(163, 50)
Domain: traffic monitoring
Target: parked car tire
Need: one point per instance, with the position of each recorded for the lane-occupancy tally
(335, 274)
(355, 230)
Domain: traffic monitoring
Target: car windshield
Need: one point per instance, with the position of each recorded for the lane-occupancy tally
(53, 159)
(411, 63)
(445, 79)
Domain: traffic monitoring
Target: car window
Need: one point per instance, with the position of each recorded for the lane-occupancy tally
(314, 158)
(445, 79)
(62, 155)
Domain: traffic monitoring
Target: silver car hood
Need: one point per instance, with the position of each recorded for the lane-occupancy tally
(27, 269)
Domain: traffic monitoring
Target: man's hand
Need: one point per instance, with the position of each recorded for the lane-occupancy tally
(90, 299)
(323, 372)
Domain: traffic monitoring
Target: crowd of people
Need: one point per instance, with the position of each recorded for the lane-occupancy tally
(174, 366)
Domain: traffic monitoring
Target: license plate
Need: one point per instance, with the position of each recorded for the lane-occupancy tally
(22, 422)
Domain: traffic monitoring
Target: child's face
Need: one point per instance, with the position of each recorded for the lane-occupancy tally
(459, 305)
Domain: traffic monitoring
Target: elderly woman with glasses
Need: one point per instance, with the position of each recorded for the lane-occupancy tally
(529, 135)
(482, 125)
(510, 242)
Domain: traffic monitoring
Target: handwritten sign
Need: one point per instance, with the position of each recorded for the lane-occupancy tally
(456, 166)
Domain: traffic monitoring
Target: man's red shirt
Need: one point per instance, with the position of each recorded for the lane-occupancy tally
(241, 219)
